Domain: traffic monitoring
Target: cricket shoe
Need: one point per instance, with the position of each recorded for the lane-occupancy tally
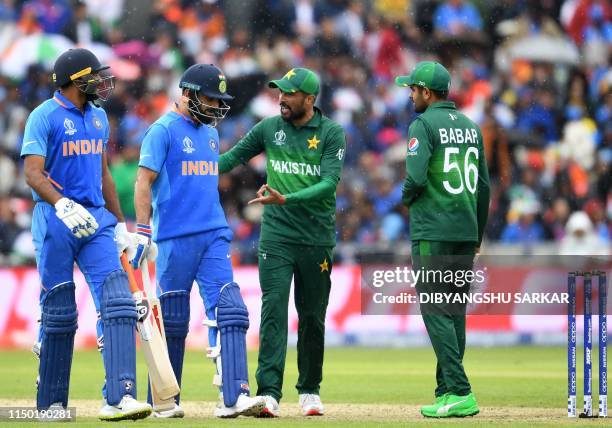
(311, 405)
(128, 408)
(271, 408)
(174, 412)
(433, 408)
(457, 406)
(245, 406)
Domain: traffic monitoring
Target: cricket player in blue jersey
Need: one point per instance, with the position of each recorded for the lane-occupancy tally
(179, 177)
(76, 219)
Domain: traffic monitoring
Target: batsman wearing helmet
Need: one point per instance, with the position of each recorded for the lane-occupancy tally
(179, 177)
(305, 154)
(75, 219)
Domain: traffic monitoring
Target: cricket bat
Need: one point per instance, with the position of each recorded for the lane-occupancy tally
(152, 340)
(159, 403)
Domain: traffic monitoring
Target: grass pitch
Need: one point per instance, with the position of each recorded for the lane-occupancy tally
(518, 386)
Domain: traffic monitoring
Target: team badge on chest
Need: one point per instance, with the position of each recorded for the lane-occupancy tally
(213, 145)
(313, 143)
(97, 123)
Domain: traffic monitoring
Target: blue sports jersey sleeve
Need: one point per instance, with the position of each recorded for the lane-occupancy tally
(154, 148)
(36, 134)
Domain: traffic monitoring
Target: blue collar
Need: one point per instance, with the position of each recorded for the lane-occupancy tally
(185, 117)
(64, 102)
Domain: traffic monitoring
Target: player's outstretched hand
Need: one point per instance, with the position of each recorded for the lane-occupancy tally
(273, 196)
(143, 241)
(76, 218)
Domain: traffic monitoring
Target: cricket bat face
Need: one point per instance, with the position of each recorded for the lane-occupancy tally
(159, 403)
(153, 344)
(160, 369)
(154, 348)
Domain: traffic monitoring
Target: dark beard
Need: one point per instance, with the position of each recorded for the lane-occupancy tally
(420, 109)
(294, 115)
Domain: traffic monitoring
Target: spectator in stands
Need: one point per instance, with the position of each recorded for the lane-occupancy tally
(84, 28)
(581, 239)
(537, 115)
(7, 11)
(523, 226)
(457, 17)
(9, 229)
(53, 16)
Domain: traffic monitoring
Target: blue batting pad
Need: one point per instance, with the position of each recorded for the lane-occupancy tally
(233, 322)
(175, 312)
(58, 326)
(118, 312)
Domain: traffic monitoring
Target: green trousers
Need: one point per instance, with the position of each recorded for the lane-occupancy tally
(310, 267)
(445, 324)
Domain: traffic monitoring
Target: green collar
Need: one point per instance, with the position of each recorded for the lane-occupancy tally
(442, 104)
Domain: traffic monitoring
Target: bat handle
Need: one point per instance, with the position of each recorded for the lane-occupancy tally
(127, 267)
(146, 279)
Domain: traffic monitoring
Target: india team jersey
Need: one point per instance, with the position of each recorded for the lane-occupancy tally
(72, 143)
(185, 193)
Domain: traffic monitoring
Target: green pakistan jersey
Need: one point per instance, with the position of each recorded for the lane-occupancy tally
(447, 181)
(304, 164)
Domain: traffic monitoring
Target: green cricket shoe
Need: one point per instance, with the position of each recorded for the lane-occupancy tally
(452, 406)
(429, 409)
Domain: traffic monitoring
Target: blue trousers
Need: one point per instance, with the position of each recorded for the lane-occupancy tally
(204, 258)
(57, 249)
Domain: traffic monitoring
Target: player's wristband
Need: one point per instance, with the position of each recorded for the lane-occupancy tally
(144, 230)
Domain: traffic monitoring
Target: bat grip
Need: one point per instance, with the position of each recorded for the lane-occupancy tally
(127, 267)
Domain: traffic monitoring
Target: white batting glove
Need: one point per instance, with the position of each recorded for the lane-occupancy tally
(123, 238)
(131, 250)
(152, 252)
(76, 218)
(143, 243)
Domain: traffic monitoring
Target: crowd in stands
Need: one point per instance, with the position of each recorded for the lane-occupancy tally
(535, 75)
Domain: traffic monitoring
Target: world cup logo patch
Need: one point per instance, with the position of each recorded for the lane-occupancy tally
(69, 127)
(280, 137)
(213, 145)
(188, 145)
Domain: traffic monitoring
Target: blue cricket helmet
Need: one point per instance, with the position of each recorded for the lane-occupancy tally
(208, 80)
